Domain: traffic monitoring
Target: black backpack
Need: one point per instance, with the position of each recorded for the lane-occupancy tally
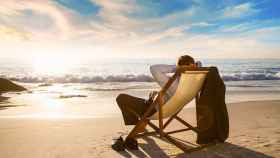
(211, 110)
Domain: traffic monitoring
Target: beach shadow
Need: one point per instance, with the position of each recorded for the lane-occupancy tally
(221, 150)
(148, 149)
(225, 150)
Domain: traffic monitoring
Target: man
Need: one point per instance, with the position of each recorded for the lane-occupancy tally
(130, 105)
(133, 108)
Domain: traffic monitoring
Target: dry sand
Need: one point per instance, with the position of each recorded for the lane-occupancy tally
(254, 132)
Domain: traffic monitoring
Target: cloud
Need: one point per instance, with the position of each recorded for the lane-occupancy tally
(15, 16)
(6, 9)
(202, 24)
(117, 27)
(113, 22)
(113, 14)
(240, 10)
(249, 45)
(9, 33)
(57, 14)
(242, 27)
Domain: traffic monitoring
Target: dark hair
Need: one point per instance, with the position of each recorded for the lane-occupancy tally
(185, 60)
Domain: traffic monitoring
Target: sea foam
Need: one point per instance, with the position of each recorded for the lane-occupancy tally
(137, 78)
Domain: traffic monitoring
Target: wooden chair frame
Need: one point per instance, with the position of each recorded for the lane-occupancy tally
(138, 130)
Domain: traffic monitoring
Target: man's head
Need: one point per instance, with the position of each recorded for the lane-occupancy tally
(185, 60)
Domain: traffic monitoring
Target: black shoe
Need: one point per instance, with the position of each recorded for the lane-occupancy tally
(131, 144)
(118, 144)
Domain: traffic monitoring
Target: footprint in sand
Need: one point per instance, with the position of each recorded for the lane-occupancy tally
(277, 131)
(267, 145)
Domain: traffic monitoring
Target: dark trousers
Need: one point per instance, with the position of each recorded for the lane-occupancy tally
(131, 106)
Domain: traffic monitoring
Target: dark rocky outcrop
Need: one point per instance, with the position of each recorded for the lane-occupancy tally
(8, 86)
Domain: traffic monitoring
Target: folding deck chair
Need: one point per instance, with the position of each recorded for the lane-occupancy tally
(190, 84)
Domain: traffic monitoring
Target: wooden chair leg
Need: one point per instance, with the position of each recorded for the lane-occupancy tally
(169, 138)
(142, 123)
(142, 127)
(169, 120)
(160, 125)
(183, 147)
(160, 119)
(138, 128)
(176, 143)
(186, 124)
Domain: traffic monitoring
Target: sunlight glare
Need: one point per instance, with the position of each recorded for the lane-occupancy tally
(52, 65)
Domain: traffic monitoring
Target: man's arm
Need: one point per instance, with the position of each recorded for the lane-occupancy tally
(160, 72)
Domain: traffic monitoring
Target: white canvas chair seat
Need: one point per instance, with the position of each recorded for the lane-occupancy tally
(190, 84)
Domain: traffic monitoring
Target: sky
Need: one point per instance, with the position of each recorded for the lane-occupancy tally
(140, 28)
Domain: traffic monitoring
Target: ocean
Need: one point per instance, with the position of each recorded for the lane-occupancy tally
(89, 88)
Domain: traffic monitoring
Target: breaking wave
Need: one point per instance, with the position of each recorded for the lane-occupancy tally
(251, 76)
(85, 79)
(137, 78)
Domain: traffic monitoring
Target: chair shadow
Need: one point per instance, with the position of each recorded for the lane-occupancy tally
(227, 150)
(148, 149)
(221, 150)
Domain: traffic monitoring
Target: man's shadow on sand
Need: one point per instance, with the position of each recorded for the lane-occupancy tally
(222, 150)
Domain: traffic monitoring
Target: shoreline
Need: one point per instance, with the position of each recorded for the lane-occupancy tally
(113, 115)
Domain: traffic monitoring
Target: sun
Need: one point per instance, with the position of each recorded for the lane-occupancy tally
(52, 65)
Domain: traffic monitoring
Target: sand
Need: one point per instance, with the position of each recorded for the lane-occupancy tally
(254, 132)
